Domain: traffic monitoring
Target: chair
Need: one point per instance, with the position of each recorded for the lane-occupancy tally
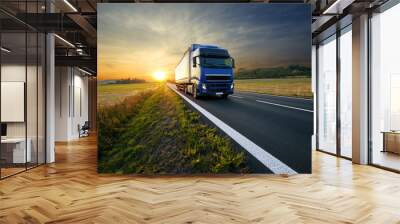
(84, 130)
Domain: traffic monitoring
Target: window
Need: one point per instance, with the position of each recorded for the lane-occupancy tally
(216, 62)
(346, 92)
(22, 77)
(327, 95)
(385, 88)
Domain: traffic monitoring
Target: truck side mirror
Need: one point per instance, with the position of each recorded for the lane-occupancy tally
(194, 62)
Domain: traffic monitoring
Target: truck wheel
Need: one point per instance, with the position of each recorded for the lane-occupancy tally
(194, 91)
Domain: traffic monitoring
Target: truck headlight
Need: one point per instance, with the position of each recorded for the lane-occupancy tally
(232, 86)
(204, 86)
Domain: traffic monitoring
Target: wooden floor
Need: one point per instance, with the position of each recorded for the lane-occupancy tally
(5, 172)
(70, 191)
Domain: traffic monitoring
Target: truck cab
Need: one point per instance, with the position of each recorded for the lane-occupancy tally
(213, 66)
(210, 71)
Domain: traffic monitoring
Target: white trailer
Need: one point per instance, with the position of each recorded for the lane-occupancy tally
(182, 70)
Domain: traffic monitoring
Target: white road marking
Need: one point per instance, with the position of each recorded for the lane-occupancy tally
(240, 97)
(280, 105)
(290, 97)
(274, 164)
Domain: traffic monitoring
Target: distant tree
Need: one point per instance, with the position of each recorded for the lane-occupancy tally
(276, 72)
(129, 80)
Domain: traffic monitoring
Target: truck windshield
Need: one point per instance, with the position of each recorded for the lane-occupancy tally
(216, 62)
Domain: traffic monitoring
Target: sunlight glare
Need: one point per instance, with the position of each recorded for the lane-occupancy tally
(159, 75)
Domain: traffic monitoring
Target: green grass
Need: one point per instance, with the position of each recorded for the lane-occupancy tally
(109, 94)
(296, 87)
(154, 132)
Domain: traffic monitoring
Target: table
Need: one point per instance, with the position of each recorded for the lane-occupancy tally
(391, 141)
(14, 150)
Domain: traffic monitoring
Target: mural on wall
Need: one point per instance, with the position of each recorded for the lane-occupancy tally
(204, 88)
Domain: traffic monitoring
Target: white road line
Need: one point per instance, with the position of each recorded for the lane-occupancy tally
(289, 97)
(240, 97)
(280, 105)
(274, 164)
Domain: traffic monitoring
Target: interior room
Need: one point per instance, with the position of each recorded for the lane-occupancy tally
(48, 151)
(34, 113)
(385, 89)
(22, 100)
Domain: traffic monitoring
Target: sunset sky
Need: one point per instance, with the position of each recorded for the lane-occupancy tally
(136, 40)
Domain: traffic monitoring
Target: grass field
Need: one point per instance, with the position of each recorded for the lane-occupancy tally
(109, 94)
(296, 87)
(154, 132)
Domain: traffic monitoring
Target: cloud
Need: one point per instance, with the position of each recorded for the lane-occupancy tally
(138, 39)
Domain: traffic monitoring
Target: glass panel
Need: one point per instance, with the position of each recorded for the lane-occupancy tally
(31, 98)
(385, 84)
(327, 95)
(13, 86)
(32, 89)
(41, 98)
(23, 91)
(346, 92)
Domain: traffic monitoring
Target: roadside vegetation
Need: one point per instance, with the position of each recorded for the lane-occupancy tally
(154, 132)
(273, 73)
(294, 86)
(109, 94)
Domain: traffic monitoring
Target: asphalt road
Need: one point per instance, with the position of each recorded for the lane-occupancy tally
(280, 125)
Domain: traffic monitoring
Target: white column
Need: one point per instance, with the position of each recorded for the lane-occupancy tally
(360, 90)
(50, 92)
(50, 110)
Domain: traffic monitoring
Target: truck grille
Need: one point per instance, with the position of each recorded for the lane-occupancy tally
(217, 78)
(218, 87)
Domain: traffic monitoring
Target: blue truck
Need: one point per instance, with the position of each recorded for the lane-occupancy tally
(205, 70)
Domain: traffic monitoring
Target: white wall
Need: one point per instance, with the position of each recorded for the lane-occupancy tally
(10, 73)
(71, 102)
(16, 73)
(62, 83)
(33, 127)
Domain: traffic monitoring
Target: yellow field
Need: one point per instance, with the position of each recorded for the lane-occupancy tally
(296, 87)
(109, 94)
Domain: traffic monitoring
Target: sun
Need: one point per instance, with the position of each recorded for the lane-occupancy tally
(159, 76)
